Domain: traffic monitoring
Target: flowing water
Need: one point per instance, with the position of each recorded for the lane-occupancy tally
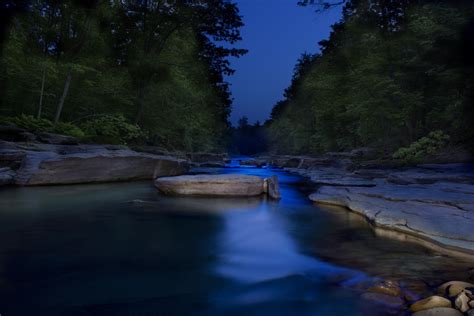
(123, 249)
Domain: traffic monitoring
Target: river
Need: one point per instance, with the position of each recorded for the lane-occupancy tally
(123, 249)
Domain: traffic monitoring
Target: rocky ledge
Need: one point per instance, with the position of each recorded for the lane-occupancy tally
(48, 164)
(218, 185)
(440, 213)
(432, 204)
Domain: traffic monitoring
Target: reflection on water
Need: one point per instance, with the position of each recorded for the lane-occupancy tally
(122, 249)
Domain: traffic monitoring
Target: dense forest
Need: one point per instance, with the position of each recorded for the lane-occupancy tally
(394, 75)
(120, 71)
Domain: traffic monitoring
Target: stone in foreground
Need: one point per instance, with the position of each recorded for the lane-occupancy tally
(429, 303)
(211, 185)
(439, 311)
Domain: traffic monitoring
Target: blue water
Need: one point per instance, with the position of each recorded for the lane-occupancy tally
(123, 249)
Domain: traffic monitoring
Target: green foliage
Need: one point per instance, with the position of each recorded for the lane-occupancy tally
(425, 146)
(162, 70)
(380, 82)
(34, 124)
(66, 128)
(29, 123)
(111, 129)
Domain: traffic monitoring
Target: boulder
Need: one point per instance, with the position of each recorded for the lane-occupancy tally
(462, 302)
(57, 139)
(453, 288)
(94, 164)
(429, 303)
(470, 312)
(211, 185)
(439, 311)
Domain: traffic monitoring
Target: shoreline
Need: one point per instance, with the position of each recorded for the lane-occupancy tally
(431, 205)
(405, 236)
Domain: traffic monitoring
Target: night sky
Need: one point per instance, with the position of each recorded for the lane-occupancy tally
(276, 33)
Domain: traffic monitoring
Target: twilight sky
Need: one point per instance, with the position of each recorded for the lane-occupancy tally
(276, 33)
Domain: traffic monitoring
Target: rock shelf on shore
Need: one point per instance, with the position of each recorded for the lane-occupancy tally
(49, 164)
(431, 203)
(218, 185)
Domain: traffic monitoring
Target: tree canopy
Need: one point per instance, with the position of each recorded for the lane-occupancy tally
(390, 73)
(158, 64)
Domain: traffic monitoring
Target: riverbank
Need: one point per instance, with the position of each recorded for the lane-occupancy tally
(51, 159)
(432, 204)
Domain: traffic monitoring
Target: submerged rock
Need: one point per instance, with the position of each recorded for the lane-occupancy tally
(388, 287)
(212, 185)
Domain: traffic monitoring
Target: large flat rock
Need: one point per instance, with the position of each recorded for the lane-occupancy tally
(90, 164)
(212, 185)
(441, 213)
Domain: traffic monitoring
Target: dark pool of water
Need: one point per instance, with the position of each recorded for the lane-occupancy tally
(123, 249)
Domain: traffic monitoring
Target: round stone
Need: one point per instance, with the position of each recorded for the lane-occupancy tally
(462, 302)
(429, 303)
(453, 288)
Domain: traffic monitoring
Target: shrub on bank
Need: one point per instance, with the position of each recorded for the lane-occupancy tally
(107, 129)
(111, 129)
(422, 148)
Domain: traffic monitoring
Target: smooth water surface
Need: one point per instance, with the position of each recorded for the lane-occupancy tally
(123, 249)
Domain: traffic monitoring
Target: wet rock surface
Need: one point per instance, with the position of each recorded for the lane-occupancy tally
(47, 164)
(212, 185)
(433, 202)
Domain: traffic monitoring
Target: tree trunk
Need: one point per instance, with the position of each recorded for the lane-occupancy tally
(63, 97)
(40, 107)
(140, 103)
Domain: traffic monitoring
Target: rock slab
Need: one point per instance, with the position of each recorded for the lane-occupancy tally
(212, 185)
(440, 213)
(92, 165)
